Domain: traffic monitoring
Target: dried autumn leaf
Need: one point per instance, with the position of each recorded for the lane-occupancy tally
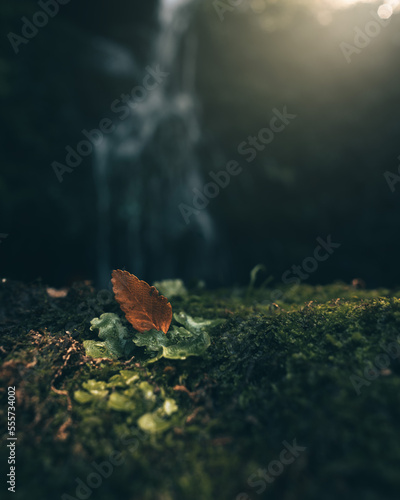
(143, 306)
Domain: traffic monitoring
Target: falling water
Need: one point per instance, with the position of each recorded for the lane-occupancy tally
(149, 165)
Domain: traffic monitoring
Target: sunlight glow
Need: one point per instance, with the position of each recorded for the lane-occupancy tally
(324, 10)
(169, 7)
(343, 4)
(386, 9)
(173, 3)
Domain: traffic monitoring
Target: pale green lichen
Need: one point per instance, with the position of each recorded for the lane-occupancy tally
(171, 288)
(191, 339)
(195, 324)
(179, 343)
(159, 421)
(117, 341)
(121, 402)
(124, 393)
(94, 390)
(96, 349)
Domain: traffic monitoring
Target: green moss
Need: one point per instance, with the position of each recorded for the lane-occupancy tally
(325, 373)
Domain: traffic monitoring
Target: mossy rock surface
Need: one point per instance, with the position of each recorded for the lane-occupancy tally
(318, 370)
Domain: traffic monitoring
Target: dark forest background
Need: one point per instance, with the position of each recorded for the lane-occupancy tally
(323, 176)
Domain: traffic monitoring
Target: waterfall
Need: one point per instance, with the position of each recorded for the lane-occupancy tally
(148, 165)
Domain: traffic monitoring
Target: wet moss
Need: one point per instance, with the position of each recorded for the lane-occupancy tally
(318, 365)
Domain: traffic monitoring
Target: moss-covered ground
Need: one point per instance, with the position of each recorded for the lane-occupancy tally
(318, 371)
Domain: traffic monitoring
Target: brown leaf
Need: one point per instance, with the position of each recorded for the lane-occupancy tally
(142, 304)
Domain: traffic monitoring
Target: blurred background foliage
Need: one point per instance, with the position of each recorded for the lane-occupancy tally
(324, 175)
